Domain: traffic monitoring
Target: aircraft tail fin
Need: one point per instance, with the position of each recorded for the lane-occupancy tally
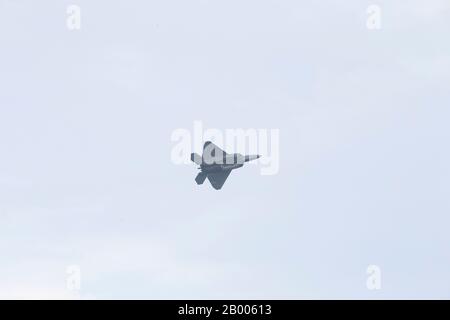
(200, 178)
(196, 158)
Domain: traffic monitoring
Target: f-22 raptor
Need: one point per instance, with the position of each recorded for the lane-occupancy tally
(216, 165)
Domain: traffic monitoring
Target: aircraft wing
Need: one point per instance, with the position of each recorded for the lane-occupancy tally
(217, 179)
(212, 147)
(213, 154)
(209, 144)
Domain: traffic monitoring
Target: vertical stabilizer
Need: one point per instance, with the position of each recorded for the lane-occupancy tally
(200, 178)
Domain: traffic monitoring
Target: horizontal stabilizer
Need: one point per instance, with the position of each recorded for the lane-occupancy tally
(196, 158)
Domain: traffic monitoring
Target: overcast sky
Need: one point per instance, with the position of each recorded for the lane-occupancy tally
(86, 176)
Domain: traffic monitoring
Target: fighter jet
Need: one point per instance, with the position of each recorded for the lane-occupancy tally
(216, 165)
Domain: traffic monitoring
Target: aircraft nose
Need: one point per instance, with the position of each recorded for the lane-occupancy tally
(252, 157)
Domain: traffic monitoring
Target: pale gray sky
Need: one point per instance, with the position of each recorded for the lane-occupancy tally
(86, 176)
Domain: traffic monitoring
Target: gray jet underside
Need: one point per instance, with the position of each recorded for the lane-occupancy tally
(216, 165)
